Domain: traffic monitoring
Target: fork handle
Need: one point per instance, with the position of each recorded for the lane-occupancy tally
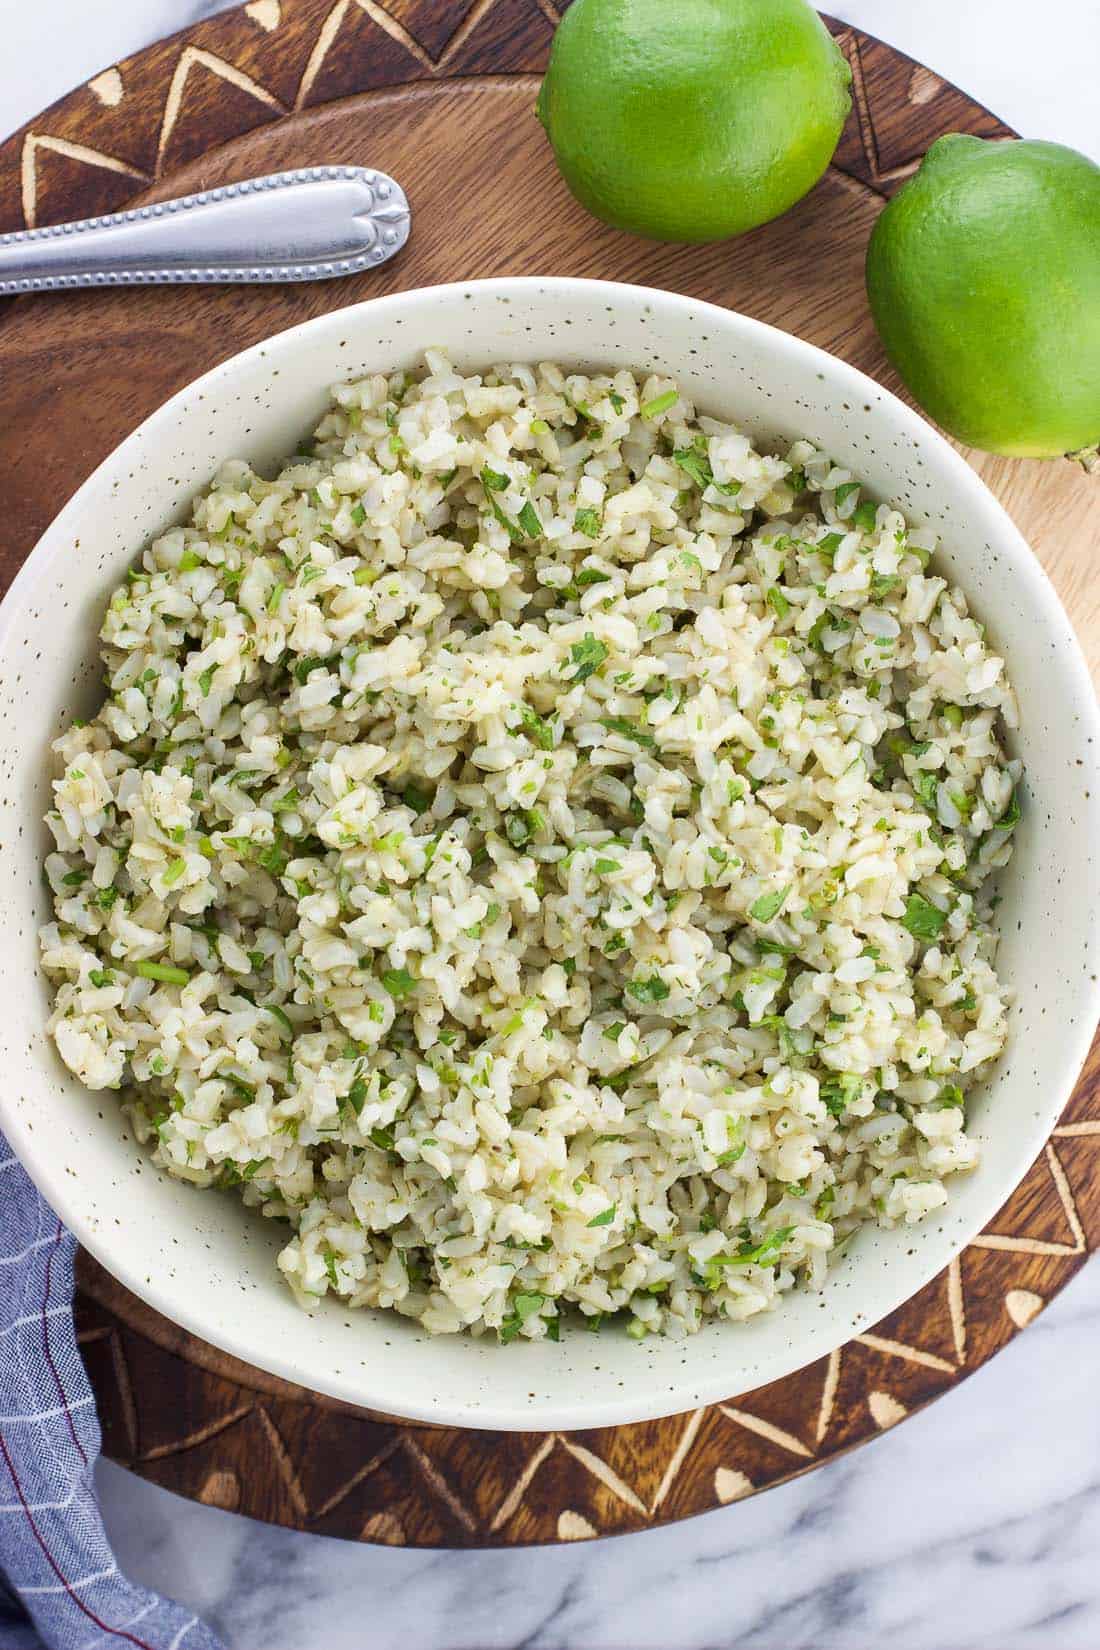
(307, 225)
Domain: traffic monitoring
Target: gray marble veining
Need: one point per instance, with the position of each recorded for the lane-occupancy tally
(974, 1526)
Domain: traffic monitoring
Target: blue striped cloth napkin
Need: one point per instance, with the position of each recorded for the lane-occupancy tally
(60, 1587)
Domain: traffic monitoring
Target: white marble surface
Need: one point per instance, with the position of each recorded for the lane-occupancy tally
(976, 1524)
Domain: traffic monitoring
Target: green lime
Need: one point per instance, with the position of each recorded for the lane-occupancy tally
(691, 120)
(984, 279)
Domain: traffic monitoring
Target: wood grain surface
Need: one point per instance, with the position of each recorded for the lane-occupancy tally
(441, 95)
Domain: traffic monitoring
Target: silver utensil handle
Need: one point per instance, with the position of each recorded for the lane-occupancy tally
(308, 225)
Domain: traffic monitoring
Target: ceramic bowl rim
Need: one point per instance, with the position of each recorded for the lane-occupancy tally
(575, 1414)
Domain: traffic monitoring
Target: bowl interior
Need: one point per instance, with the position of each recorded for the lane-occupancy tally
(204, 1261)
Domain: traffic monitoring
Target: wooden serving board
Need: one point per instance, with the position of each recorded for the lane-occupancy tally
(442, 95)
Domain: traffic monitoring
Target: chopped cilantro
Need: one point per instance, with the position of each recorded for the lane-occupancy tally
(623, 725)
(923, 919)
(838, 1090)
(659, 404)
(767, 947)
(537, 729)
(925, 785)
(769, 905)
(825, 1202)
(528, 520)
(512, 528)
(736, 1148)
(1011, 815)
(695, 464)
(304, 669)
(162, 971)
(398, 982)
(283, 1018)
(818, 629)
(763, 1253)
(245, 1090)
(272, 859)
(517, 829)
(524, 1306)
(588, 655)
(419, 801)
(653, 990)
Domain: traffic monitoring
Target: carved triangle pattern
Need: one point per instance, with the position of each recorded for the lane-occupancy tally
(194, 57)
(36, 144)
(266, 20)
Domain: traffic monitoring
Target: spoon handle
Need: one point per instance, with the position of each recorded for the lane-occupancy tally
(306, 225)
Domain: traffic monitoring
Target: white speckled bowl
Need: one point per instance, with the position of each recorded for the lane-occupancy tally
(201, 1258)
